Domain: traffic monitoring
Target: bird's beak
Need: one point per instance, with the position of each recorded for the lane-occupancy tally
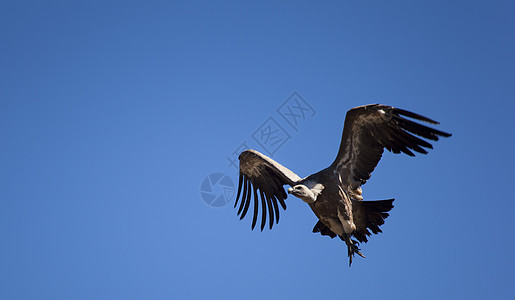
(290, 190)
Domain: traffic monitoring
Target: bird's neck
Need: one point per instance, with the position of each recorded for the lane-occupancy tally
(310, 198)
(314, 190)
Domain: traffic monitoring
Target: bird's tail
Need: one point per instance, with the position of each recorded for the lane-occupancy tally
(373, 215)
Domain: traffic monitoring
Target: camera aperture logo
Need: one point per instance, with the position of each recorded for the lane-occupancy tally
(217, 189)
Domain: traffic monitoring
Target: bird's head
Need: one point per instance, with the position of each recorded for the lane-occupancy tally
(303, 192)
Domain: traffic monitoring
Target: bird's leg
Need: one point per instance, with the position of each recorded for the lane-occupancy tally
(352, 247)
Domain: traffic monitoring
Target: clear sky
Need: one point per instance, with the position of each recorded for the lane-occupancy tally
(113, 114)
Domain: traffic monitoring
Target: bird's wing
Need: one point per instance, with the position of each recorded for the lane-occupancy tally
(261, 174)
(368, 130)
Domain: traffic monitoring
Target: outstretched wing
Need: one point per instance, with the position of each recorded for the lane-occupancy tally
(368, 130)
(259, 173)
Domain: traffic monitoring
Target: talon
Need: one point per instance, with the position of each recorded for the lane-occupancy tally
(352, 248)
(356, 249)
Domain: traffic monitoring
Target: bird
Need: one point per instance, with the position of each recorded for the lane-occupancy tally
(334, 194)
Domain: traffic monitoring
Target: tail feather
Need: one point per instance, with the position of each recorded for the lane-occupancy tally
(369, 215)
(324, 230)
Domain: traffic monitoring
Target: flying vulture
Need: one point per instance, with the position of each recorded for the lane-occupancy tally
(334, 194)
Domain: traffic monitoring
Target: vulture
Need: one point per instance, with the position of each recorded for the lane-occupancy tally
(334, 194)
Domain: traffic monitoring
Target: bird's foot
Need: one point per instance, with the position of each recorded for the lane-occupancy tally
(352, 248)
(356, 249)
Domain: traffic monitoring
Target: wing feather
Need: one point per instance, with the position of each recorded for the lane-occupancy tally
(262, 179)
(270, 212)
(370, 129)
(244, 195)
(247, 200)
(239, 189)
(276, 210)
(254, 217)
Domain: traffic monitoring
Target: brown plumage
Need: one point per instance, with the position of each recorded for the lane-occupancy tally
(334, 194)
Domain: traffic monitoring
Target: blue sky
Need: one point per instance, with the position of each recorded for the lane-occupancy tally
(112, 115)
